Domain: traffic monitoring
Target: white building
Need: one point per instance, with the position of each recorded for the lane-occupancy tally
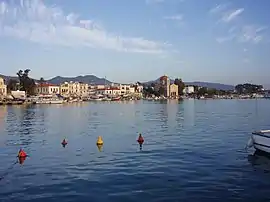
(76, 89)
(47, 89)
(18, 94)
(188, 89)
(110, 91)
(127, 89)
(3, 88)
(114, 89)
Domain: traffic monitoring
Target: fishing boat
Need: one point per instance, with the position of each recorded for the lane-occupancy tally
(260, 140)
(106, 99)
(116, 98)
(48, 99)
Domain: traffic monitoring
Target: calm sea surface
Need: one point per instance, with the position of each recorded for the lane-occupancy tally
(193, 151)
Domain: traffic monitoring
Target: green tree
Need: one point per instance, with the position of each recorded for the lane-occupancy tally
(42, 81)
(26, 84)
(202, 91)
(180, 84)
(248, 88)
(12, 85)
(161, 91)
(212, 91)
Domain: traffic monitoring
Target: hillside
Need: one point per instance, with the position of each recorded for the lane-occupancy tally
(217, 86)
(90, 79)
(7, 78)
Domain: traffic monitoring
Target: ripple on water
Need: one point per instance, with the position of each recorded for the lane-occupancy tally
(193, 151)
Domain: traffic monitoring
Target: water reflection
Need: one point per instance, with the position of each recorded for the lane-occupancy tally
(21, 160)
(189, 112)
(3, 111)
(163, 114)
(260, 160)
(100, 148)
(21, 122)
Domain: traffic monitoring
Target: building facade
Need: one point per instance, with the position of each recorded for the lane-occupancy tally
(109, 91)
(47, 89)
(173, 91)
(189, 90)
(74, 89)
(164, 82)
(3, 88)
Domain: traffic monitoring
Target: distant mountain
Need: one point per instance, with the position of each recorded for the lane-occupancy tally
(90, 79)
(217, 86)
(7, 78)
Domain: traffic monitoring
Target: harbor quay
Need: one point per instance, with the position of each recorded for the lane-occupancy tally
(75, 91)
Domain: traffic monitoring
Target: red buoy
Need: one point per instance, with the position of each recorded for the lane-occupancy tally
(140, 139)
(22, 154)
(64, 142)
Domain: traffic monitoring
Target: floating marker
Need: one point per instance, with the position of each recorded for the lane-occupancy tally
(22, 154)
(140, 139)
(99, 140)
(64, 142)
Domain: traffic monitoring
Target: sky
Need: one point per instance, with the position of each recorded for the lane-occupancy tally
(137, 40)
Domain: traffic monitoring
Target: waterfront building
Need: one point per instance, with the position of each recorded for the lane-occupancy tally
(100, 86)
(127, 89)
(164, 82)
(47, 89)
(169, 90)
(74, 89)
(189, 89)
(109, 91)
(173, 90)
(64, 89)
(3, 88)
(18, 94)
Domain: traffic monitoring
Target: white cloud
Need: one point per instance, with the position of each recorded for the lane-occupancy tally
(34, 21)
(174, 17)
(252, 33)
(231, 15)
(226, 15)
(245, 34)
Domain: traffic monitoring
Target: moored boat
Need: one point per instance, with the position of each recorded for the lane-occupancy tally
(116, 98)
(260, 140)
(49, 101)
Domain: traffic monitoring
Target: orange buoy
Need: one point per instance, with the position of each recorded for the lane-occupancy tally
(22, 154)
(140, 139)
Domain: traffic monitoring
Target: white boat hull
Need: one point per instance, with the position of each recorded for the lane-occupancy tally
(50, 102)
(260, 141)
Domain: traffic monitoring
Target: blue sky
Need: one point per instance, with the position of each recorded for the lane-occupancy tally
(131, 40)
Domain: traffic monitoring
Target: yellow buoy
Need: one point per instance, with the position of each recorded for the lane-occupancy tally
(99, 140)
